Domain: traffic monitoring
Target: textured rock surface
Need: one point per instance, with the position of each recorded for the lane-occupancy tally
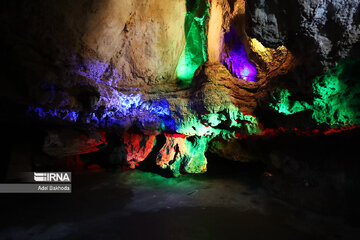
(183, 155)
(202, 70)
(319, 33)
(223, 15)
(69, 143)
(173, 81)
(137, 147)
(93, 48)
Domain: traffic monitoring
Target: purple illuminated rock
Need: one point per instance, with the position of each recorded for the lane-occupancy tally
(237, 60)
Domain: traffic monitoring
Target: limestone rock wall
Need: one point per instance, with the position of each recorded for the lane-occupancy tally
(138, 147)
(89, 46)
(118, 66)
(319, 33)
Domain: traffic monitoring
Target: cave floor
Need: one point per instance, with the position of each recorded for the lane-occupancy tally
(143, 205)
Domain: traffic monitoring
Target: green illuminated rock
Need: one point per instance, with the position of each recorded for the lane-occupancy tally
(285, 106)
(336, 96)
(218, 110)
(183, 154)
(195, 51)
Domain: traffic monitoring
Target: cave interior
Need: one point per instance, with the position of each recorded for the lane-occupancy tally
(212, 119)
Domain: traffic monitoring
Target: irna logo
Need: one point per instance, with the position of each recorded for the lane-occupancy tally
(52, 177)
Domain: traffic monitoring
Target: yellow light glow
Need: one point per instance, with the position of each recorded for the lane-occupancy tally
(277, 60)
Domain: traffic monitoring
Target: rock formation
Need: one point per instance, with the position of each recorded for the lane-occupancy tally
(199, 72)
(138, 147)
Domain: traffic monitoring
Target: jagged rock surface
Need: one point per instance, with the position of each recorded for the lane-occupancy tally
(112, 65)
(319, 33)
(137, 146)
(93, 49)
(183, 155)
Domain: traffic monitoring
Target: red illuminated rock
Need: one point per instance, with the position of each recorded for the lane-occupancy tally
(137, 147)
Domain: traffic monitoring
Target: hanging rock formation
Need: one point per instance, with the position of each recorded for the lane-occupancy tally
(183, 154)
(137, 146)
